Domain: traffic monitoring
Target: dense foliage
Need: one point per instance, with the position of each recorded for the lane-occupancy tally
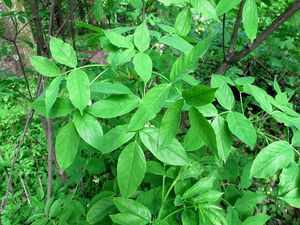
(160, 112)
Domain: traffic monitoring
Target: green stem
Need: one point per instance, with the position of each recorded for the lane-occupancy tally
(242, 104)
(86, 66)
(177, 211)
(167, 194)
(99, 75)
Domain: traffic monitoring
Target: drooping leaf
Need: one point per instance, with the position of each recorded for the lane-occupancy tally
(62, 52)
(133, 207)
(183, 22)
(241, 127)
(88, 129)
(66, 146)
(103, 207)
(189, 217)
(44, 66)
(272, 158)
(149, 106)
(250, 19)
(258, 219)
(223, 137)
(115, 138)
(173, 154)
(117, 39)
(232, 217)
(199, 95)
(260, 96)
(205, 8)
(224, 6)
(78, 88)
(143, 66)
(245, 205)
(51, 94)
(225, 97)
(114, 106)
(289, 190)
(170, 124)
(187, 62)
(192, 142)
(131, 169)
(61, 107)
(296, 139)
(199, 187)
(141, 37)
(203, 128)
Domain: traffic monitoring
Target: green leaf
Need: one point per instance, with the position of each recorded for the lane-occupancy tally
(109, 88)
(260, 96)
(183, 22)
(292, 197)
(8, 3)
(131, 169)
(126, 56)
(44, 66)
(127, 219)
(225, 97)
(241, 127)
(149, 106)
(133, 207)
(51, 94)
(114, 106)
(246, 181)
(98, 10)
(142, 37)
(78, 88)
(289, 190)
(88, 129)
(189, 217)
(192, 142)
(223, 137)
(176, 42)
(62, 52)
(173, 154)
(258, 219)
(143, 66)
(224, 6)
(296, 139)
(232, 217)
(115, 138)
(199, 95)
(203, 128)
(61, 107)
(250, 19)
(210, 196)
(117, 39)
(241, 81)
(271, 159)
(245, 205)
(170, 124)
(66, 146)
(102, 208)
(187, 62)
(208, 110)
(205, 8)
(199, 187)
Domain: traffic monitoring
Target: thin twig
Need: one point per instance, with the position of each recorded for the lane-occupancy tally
(66, 20)
(223, 35)
(25, 191)
(236, 28)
